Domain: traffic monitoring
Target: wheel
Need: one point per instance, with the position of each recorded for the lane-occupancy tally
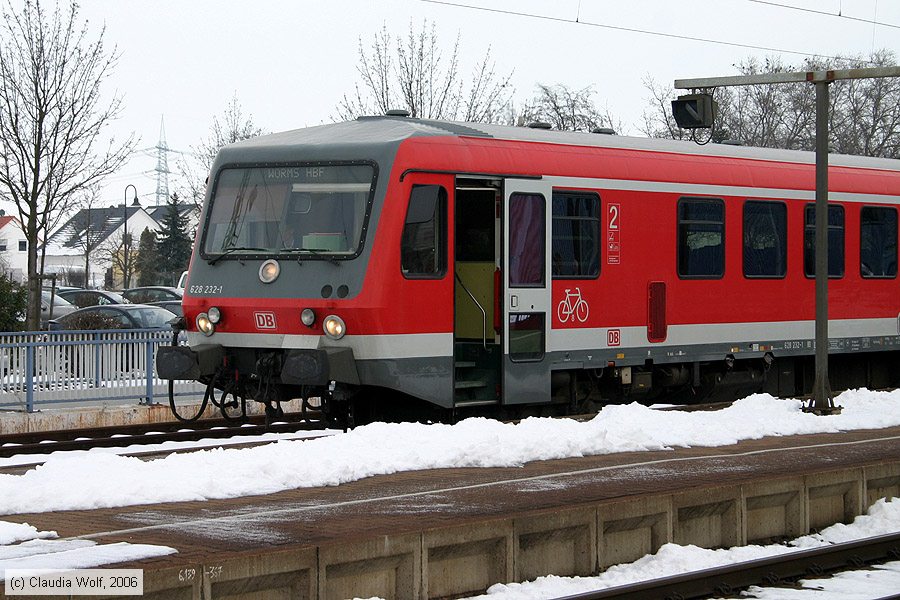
(581, 311)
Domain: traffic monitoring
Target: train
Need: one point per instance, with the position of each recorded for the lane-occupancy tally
(392, 266)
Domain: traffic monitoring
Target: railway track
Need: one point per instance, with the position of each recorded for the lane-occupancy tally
(44, 442)
(151, 433)
(728, 581)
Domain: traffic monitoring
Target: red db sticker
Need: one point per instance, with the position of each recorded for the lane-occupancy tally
(613, 337)
(265, 320)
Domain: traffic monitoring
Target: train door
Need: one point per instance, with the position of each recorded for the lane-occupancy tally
(476, 340)
(526, 305)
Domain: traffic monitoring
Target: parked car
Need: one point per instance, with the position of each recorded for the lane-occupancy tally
(61, 307)
(116, 316)
(171, 305)
(83, 298)
(153, 293)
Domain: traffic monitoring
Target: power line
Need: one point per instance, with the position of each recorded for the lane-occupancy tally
(825, 13)
(641, 31)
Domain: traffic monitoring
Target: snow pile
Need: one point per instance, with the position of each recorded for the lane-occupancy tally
(86, 480)
(882, 518)
(24, 547)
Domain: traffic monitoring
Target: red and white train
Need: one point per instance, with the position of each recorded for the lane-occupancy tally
(386, 260)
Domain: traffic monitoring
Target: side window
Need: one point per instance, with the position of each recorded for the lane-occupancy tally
(423, 246)
(576, 235)
(878, 242)
(526, 240)
(701, 238)
(835, 241)
(526, 336)
(765, 239)
(23, 245)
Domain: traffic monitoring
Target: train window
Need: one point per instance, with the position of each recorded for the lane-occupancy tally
(835, 241)
(878, 242)
(765, 239)
(317, 212)
(423, 246)
(526, 336)
(527, 240)
(701, 238)
(576, 235)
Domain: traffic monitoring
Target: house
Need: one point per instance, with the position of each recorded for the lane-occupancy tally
(87, 241)
(13, 249)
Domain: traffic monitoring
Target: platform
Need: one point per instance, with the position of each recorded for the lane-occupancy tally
(112, 415)
(452, 532)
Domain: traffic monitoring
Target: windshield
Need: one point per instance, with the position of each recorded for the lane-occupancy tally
(307, 209)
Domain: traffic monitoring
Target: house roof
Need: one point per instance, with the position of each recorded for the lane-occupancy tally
(100, 222)
(159, 212)
(6, 220)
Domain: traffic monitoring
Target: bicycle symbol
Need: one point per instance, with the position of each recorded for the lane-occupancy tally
(573, 307)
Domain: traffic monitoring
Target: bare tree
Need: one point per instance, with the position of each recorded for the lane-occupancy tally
(115, 249)
(567, 109)
(51, 121)
(864, 117)
(232, 126)
(417, 76)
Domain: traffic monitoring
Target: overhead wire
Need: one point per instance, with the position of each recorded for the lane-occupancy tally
(678, 36)
(825, 13)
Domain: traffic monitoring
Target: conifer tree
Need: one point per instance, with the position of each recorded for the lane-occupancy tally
(147, 261)
(173, 243)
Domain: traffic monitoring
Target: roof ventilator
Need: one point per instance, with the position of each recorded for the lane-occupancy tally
(539, 125)
(604, 130)
(397, 112)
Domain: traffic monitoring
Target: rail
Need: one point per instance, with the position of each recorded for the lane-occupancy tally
(20, 444)
(774, 570)
(481, 308)
(67, 367)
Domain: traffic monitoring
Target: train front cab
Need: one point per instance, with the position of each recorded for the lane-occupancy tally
(500, 246)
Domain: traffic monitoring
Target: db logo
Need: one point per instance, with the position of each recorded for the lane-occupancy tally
(265, 320)
(613, 337)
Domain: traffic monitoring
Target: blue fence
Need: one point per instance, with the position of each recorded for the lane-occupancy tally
(72, 367)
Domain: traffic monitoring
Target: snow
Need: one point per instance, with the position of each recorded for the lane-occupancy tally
(96, 480)
(101, 478)
(22, 546)
(671, 559)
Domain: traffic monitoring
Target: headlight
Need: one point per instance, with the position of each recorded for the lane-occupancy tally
(205, 326)
(269, 270)
(214, 314)
(308, 317)
(334, 327)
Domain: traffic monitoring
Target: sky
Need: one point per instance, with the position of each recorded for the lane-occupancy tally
(84, 480)
(289, 62)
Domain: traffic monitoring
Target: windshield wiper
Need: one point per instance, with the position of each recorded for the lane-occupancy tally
(232, 250)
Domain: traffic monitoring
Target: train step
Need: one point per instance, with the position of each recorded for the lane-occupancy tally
(465, 403)
(464, 364)
(470, 385)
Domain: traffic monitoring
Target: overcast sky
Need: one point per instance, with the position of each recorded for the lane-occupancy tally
(290, 62)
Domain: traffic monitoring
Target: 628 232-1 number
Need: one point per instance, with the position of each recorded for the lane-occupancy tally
(205, 289)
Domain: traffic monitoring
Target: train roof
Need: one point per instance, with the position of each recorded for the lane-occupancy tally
(378, 134)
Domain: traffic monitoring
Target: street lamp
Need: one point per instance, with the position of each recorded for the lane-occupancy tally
(125, 240)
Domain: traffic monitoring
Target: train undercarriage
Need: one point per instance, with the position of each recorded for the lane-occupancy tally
(271, 378)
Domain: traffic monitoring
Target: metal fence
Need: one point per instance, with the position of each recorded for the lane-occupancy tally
(76, 367)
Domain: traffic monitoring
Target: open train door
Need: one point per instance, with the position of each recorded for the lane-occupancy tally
(526, 290)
